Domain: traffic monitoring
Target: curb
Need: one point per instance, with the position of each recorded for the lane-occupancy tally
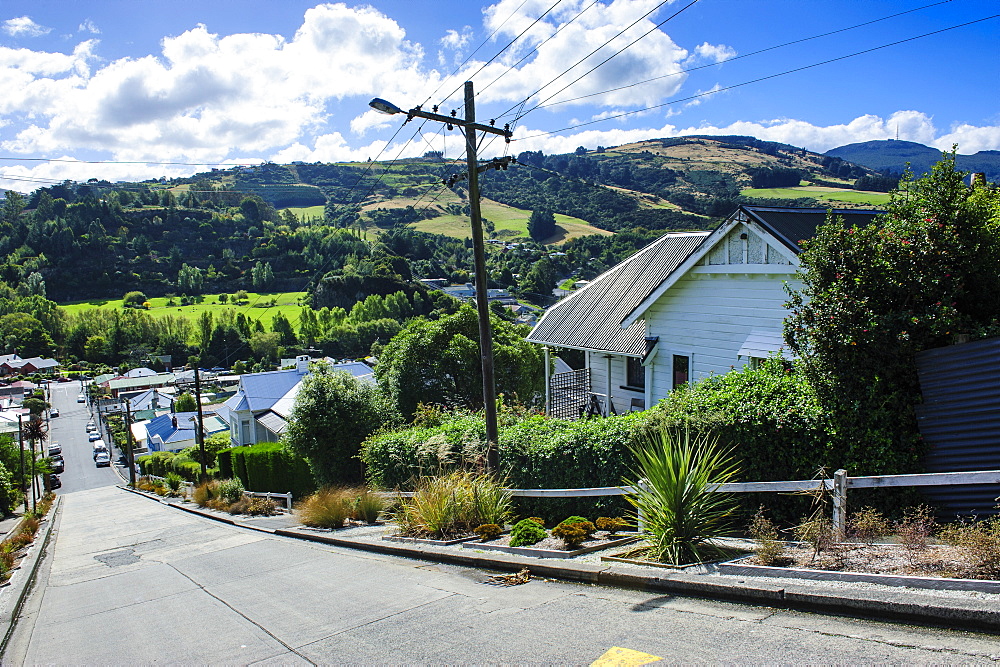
(28, 569)
(924, 611)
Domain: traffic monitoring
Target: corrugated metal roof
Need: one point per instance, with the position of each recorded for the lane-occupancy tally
(791, 226)
(762, 342)
(273, 422)
(124, 384)
(960, 420)
(591, 318)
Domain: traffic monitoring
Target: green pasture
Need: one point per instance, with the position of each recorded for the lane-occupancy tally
(821, 193)
(308, 211)
(257, 306)
(507, 218)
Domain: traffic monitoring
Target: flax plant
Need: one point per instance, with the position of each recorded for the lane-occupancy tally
(681, 513)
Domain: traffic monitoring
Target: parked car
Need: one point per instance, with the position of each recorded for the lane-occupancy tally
(94, 436)
(54, 412)
(81, 398)
(102, 459)
(100, 447)
(54, 482)
(58, 465)
(55, 449)
(62, 378)
(91, 427)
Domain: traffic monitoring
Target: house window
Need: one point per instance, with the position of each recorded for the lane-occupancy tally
(682, 370)
(635, 373)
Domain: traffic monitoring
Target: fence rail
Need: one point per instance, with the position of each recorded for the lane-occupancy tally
(838, 486)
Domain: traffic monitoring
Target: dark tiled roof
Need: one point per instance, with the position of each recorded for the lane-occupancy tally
(793, 225)
(591, 318)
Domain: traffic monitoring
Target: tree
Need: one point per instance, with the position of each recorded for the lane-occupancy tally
(13, 206)
(541, 224)
(265, 344)
(134, 299)
(333, 414)
(185, 403)
(873, 297)
(438, 362)
(261, 275)
(26, 334)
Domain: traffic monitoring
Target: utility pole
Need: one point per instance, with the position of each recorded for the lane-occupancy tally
(470, 127)
(199, 435)
(20, 442)
(130, 458)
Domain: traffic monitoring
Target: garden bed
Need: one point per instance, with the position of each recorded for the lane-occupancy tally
(935, 567)
(637, 556)
(552, 547)
(427, 540)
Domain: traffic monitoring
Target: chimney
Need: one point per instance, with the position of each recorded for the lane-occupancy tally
(173, 420)
(302, 364)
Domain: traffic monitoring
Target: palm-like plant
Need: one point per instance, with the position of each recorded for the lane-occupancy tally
(681, 512)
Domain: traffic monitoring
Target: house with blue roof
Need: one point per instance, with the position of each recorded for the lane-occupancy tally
(176, 431)
(260, 408)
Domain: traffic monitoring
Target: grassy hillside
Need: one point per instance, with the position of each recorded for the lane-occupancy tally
(838, 196)
(258, 306)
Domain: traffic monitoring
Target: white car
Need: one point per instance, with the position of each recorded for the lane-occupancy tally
(54, 412)
(81, 398)
(91, 427)
(94, 436)
(102, 459)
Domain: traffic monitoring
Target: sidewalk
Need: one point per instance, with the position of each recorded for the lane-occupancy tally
(943, 608)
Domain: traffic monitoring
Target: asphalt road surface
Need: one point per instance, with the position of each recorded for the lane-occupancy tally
(126, 580)
(69, 429)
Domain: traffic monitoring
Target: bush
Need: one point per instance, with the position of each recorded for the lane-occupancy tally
(267, 466)
(327, 508)
(525, 533)
(160, 464)
(231, 490)
(768, 549)
(174, 482)
(204, 494)
(367, 506)
(535, 452)
(573, 532)
(488, 531)
(681, 512)
(980, 545)
(611, 525)
(452, 504)
(867, 524)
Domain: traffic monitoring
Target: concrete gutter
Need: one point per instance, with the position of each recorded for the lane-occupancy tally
(906, 605)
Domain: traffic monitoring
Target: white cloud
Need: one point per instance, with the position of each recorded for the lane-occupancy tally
(913, 126)
(706, 52)
(23, 26)
(333, 148)
(703, 95)
(455, 40)
(89, 26)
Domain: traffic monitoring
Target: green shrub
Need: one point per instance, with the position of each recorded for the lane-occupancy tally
(611, 525)
(525, 533)
(488, 531)
(206, 493)
(326, 508)
(231, 490)
(267, 466)
(681, 512)
(160, 464)
(367, 506)
(573, 533)
(452, 504)
(174, 481)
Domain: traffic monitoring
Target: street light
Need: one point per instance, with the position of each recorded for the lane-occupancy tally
(382, 106)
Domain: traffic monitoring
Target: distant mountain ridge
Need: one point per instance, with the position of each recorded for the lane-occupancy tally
(892, 155)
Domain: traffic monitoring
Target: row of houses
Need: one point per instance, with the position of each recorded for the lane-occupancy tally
(257, 411)
(12, 364)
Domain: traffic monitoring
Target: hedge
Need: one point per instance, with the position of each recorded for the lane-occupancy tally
(267, 466)
(535, 453)
(160, 463)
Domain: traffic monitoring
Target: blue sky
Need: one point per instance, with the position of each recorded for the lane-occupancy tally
(136, 85)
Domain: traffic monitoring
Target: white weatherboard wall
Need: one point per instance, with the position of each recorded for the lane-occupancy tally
(709, 316)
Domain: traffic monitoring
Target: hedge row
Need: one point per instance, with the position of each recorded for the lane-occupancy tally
(267, 466)
(160, 463)
(535, 453)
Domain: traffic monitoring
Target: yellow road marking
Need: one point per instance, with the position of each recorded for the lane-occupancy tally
(624, 657)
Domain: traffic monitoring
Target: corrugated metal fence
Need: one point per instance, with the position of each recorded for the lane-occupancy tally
(960, 420)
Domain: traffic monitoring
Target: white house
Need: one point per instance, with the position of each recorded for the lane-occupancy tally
(686, 306)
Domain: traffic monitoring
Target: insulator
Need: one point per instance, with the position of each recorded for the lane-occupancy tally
(493, 122)
(450, 126)
(435, 108)
(453, 113)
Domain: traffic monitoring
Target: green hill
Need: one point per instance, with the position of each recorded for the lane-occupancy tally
(893, 155)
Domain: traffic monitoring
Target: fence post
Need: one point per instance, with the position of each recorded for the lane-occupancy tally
(288, 501)
(840, 503)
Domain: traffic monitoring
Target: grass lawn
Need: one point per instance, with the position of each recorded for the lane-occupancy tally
(821, 193)
(255, 309)
(308, 211)
(507, 218)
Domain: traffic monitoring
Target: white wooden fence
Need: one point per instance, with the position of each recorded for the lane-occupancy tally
(286, 497)
(838, 487)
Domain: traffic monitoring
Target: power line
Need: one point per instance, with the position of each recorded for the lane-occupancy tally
(759, 79)
(735, 58)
